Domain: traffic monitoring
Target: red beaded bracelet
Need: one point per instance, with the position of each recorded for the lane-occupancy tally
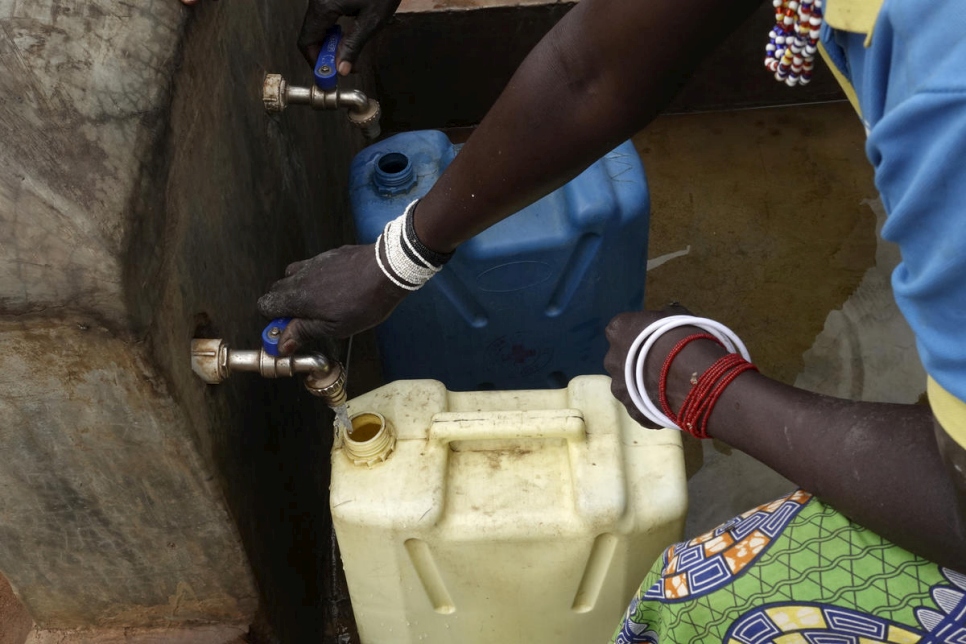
(666, 369)
(700, 402)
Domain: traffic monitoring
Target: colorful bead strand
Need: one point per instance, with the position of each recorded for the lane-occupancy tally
(793, 42)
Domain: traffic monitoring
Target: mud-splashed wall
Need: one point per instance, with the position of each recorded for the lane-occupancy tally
(145, 197)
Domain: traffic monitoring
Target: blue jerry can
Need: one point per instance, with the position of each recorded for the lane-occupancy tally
(524, 304)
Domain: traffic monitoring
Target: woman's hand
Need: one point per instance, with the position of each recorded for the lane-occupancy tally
(370, 16)
(335, 294)
(621, 333)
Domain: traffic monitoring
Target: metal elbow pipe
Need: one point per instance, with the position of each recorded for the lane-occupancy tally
(363, 112)
(352, 99)
(312, 362)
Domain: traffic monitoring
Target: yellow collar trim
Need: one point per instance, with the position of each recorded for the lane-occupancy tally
(857, 16)
(842, 80)
(949, 410)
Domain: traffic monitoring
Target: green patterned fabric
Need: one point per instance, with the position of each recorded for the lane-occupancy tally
(795, 571)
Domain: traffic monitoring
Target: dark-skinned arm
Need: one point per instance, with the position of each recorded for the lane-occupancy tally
(882, 465)
(601, 74)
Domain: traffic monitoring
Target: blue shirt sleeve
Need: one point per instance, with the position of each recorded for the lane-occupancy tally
(911, 85)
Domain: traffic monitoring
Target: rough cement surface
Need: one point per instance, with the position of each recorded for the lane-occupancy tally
(109, 515)
(81, 94)
(145, 199)
(196, 635)
(764, 209)
(236, 196)
(15, 622)
(107, 518)
(866, 350)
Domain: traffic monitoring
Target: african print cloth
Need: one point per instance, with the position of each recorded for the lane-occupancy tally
(795, 571)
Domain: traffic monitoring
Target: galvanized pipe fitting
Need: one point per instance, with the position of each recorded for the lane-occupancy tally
(363, 112)
(330, 387)
(213, 361)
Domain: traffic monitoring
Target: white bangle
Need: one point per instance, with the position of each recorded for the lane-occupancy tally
(637, 356)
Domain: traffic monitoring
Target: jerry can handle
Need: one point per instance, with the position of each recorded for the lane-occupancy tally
(326, 76)
(502, 425)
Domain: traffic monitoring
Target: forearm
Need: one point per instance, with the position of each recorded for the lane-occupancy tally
(602, 73)
(877, 463)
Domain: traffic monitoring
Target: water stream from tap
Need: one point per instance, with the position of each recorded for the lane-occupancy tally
(341, 422)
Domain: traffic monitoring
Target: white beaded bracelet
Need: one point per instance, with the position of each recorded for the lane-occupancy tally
(637, 356)
(407, 267)
(390, 276)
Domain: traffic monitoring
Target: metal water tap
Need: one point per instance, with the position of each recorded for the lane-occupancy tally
(363, 112)
(214, 361)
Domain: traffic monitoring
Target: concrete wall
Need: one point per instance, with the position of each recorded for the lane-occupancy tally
(146, 198)
(109, 517)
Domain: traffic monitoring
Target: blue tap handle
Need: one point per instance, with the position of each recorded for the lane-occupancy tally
(326, 76)
(271, 335)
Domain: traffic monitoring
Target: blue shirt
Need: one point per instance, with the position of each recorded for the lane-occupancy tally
(910, 82)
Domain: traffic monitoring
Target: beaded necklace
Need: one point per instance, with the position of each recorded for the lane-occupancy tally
(790, 54)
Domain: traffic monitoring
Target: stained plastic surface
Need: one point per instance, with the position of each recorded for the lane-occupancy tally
(523, 516)
(525, 303)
